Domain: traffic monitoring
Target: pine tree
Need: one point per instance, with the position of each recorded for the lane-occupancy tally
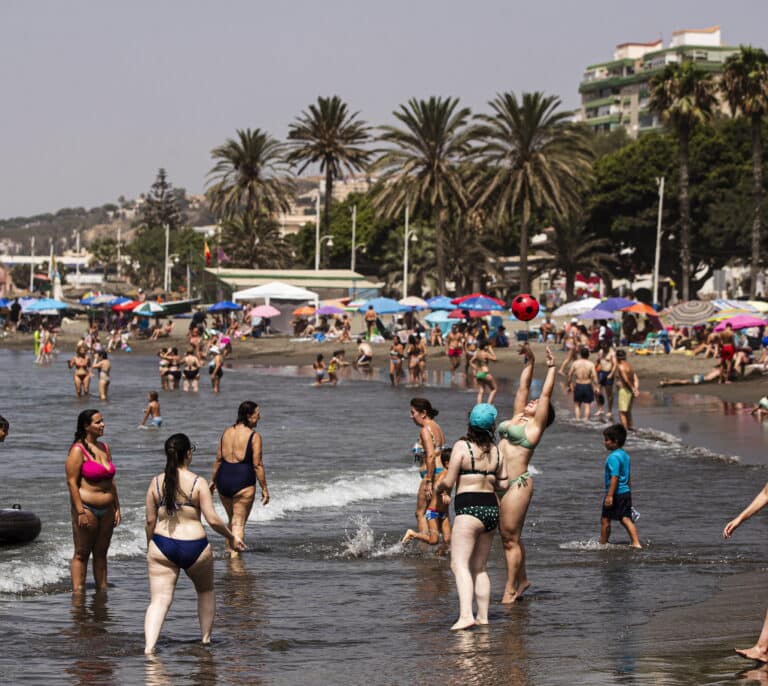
(162, 206)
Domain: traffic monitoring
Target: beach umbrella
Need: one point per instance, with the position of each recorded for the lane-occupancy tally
(329, 309)
(44, 305)
(414, 302)
(740, 305)
(600, 314)
(304, 311)
(265, 312)
(613, 304)
(641, 308)
(126, 306)
(440, 302)
(474, 314)
(691, 313)
(481, 302)
(461, 300)
(741, 321)
(4, 302)
(759, 305)
(437, 317)
(577, 307)
(727, 314)
(102, 299)
(225, 306)
(148, 309)
(383, 306)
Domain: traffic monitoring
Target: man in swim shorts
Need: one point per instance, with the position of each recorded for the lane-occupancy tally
(454, 346)
(582, 381)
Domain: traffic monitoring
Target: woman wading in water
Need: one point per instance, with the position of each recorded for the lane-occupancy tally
(518, 438)
(426, 452)
(476, 469)
(237, 468)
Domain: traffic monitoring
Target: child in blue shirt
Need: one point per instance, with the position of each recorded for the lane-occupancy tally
(617, 504)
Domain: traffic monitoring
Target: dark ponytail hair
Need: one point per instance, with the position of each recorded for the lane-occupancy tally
(83, 422)
(423, 405)
(480, 437)
(246, 409)
(176, 449)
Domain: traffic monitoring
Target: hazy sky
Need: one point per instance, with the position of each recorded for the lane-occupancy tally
(96, 96)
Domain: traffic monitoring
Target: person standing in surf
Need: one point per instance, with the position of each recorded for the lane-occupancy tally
(237, 468)
(518, 438)
(476, 469)
(426, 452)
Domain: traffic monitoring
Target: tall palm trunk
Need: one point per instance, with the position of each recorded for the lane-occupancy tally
(524, 281)
(327, 208)
(757, 192)
(570, 284)
(685, 216)
(439, 251)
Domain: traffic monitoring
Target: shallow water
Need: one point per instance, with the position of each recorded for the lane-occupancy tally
(325, 593)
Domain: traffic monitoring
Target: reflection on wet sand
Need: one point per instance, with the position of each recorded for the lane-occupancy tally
(512, 659)
(90, 617)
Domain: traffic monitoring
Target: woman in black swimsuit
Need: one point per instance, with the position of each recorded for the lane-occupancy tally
(238, 465)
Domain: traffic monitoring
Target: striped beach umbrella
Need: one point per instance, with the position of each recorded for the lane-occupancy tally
(691, 313)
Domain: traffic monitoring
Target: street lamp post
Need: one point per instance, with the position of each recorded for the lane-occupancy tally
(354, 229)
(165, 270)
(77, 264)
(408, 236)
(32, 266)
(317, 230)
(660, 182)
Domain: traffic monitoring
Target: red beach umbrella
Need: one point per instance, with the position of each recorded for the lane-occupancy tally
(458, 301)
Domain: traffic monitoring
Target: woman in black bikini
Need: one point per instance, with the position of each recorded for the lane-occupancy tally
(176, 539)
(237, 468)
(191, 370)
(476, 469)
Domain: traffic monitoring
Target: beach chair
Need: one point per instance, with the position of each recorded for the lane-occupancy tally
(652, 345)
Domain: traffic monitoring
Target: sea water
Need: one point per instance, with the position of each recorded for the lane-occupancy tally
(326, 593)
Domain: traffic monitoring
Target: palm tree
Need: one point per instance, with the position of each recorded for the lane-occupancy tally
(683, 97)
(745, 86)
(574, 248)
(252, 243)
(330, 135)
(249, 176)
(534, 159)
(422, 167)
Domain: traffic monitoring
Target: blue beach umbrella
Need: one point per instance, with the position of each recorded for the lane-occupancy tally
(438, 317)
(4, 302)
(383, 306)
(440, 302)
(225, 306)
(480, 302)
(45, 304)
(599, 313)
(612, 304)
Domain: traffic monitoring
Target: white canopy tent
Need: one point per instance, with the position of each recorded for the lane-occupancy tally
(275, 290)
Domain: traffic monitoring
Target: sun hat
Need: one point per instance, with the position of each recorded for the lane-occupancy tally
(483, 416)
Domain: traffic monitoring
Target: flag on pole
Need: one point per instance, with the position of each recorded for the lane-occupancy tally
(207, 254)
(221, 256)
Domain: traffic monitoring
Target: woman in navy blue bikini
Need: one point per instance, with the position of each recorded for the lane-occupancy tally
(237, 468)
(176, 539)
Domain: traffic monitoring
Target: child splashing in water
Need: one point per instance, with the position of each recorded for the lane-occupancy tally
(437, 511)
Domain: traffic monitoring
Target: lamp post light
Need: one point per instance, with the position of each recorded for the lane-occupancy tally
(165, 271)
(327, 239)
(354, 230)
(408, 236)
(317, 230)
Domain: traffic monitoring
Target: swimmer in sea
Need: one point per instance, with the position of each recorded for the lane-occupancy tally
(476, 469)
(105, 367)
(191, 370)
(396, 356)
(214, 368)
(759, 651)
(485, 380)
(152, 412)
(81, 363)
(4, 428)
(437, 511)
(336, 362)
(518, 438)
(427, 452)
(319, 366)
(238, 466)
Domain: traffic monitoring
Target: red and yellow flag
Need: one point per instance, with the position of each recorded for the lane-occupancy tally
(207, 254)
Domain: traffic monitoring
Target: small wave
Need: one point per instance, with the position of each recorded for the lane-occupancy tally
(343, 490)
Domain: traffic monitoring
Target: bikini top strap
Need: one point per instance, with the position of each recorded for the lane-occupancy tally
(192, 490)
(471, 454)
(159, 494)
(249, 449)
(84, 451)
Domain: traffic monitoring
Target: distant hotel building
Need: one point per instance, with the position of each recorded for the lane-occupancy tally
(616, 93)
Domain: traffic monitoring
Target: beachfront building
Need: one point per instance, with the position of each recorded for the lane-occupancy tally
(616, 93)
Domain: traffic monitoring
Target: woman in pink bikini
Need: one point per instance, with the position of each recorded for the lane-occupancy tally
(93, 498)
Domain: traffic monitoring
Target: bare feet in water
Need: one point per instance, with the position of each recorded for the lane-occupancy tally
(753, 653)
(408, 536)
(509, 598)
(463, 624)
